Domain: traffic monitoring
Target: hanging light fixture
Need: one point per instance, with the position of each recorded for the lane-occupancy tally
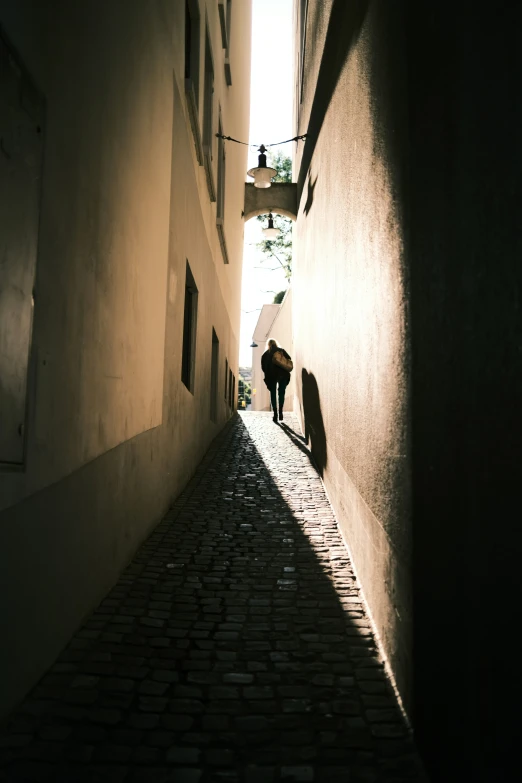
(271, 232)
(254, 344)
(262, 174)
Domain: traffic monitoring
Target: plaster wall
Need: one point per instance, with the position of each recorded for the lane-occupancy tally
(261, 399)
(275, 321)
(112, 432)
(350, 295)
(407, 289)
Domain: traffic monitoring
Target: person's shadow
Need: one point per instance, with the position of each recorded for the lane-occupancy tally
(310, 194)
(299, 441)
(313, 420)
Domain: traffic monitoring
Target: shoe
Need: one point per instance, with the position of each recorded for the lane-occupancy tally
(280, 414)
(274, 418)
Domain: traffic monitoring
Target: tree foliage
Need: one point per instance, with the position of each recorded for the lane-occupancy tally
(278, 298)
(244, 392)
(282, 164)
(281, 247)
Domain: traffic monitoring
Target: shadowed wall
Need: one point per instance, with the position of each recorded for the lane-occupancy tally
(407, 292)
(466, 326)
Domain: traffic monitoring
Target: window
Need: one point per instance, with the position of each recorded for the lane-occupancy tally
(189, 331)
(230, 387)
(225, 16)
(221, 175)
(226, 378)
(214, 367)
(229, 19)
(208, 117)
(192, 44)
(233, 390)
(192, 34)
(303, 12)
(220, 212)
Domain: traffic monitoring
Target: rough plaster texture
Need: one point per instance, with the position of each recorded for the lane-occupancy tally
(280, 197)
(350, 298)
(124, 206)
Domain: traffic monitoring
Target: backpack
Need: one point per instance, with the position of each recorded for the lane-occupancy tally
(280, 360)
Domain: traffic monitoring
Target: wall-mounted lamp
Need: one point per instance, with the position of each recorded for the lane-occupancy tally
(271, 232)
(262, 174)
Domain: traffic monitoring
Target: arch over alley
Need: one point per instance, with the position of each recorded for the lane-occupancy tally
(280, 197)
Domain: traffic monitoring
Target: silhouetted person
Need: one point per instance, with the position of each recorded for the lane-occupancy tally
(276, 377)
(313, 420)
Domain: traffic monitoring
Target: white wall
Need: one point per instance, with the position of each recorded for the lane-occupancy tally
(275, 321)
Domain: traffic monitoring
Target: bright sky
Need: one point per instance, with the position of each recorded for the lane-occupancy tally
(271, 107)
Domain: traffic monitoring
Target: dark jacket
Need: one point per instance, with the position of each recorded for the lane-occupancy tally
(273, 373)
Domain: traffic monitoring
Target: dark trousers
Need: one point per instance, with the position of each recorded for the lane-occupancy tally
(279, 393)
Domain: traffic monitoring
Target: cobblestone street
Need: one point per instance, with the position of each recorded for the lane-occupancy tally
(234, 648)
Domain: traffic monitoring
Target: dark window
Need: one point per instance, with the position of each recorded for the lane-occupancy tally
(228, 73)
(221, 176)
(192, 44)
(208, 97)
(233, 390)
(229, 20)
(226, 378)
(189, 331)
(225, 13)
(230, 386)
(214, 369)
(188, 40)
(303, 12)
(220, 197)
(208, 119)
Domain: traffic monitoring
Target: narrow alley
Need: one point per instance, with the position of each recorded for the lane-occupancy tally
(235, 646)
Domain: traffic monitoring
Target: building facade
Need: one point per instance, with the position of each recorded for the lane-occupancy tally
(406, 297)
(122, 242)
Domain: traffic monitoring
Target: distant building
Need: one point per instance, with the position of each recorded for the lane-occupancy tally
(246, 373)
(275, 321)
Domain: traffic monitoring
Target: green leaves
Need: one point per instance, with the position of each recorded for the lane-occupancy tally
(280, 248)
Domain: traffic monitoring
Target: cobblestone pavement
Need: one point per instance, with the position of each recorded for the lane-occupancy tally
(234, 649)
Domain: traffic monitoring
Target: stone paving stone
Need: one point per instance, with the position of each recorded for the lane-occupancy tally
(235, 647)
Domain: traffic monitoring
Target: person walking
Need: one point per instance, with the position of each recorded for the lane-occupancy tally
(276, 365)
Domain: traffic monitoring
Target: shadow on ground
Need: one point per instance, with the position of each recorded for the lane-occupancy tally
(313, 420)
(235, 647)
